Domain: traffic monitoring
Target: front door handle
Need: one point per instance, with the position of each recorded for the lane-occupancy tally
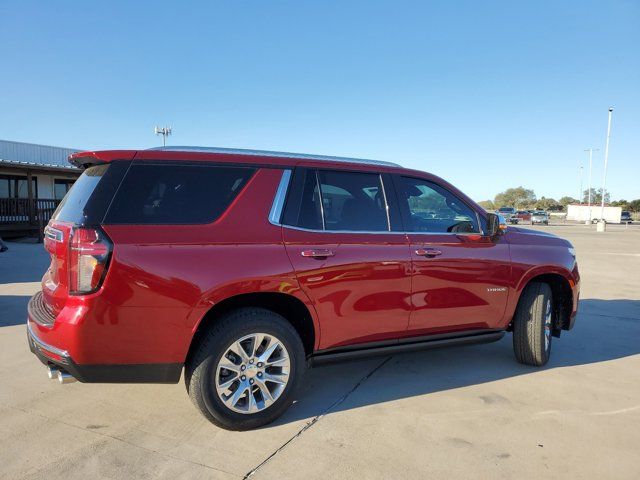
(428, 252)
(317, 253)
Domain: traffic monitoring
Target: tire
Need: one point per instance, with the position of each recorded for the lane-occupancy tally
(533, 325)
(205, 374)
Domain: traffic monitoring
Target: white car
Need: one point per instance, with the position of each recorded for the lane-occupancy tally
(540, 217)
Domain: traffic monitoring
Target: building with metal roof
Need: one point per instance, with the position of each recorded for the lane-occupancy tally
(33, 180)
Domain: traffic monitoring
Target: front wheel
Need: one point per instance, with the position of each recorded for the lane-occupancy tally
(246, 369)
(533, 325)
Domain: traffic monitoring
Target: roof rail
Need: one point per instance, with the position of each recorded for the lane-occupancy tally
(266, 153)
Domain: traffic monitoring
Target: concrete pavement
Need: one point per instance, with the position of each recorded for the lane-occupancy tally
(467, 412)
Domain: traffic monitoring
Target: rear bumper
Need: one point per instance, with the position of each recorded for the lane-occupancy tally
(60, 358)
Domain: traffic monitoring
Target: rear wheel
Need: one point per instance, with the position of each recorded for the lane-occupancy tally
(245, 371)
(533, 325)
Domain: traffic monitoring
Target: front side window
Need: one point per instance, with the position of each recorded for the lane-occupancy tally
(337, 201)
(432, 209)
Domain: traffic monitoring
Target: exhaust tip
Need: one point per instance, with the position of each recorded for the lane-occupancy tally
(52, 373)
(64, 377)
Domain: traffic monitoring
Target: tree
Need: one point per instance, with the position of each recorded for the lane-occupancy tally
(564, 201)
(487, 205)
(556, 208)
(596, 196)
(547, 204)
(620, 203)
(634, 205)
(518, 197)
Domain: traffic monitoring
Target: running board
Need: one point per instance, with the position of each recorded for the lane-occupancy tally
(404, 345)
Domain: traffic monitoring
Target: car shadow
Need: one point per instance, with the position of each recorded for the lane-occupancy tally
(21, 269)
(605, 330)
(13, 310)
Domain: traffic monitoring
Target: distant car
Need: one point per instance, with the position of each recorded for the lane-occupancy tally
(625, 217)
(523, 216)
(507, 213)
(540, 218)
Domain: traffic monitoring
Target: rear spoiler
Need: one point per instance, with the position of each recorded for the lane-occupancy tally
(83, 160)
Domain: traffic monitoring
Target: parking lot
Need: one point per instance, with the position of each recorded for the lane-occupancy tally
(466, 412)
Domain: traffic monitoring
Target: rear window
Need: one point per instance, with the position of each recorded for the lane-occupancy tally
(159, 194)
(72, 208)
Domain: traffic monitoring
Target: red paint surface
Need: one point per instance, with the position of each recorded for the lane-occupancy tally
(162, 280)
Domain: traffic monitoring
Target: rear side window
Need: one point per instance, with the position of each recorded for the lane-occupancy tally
(158, 194)
(337, 201)
(73, 205)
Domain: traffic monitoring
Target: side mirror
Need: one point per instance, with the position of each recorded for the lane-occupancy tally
(496, 224)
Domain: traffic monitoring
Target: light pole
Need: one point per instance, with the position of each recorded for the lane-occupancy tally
(580, 191)
(604, 175)
(165, 132)
(590, 150)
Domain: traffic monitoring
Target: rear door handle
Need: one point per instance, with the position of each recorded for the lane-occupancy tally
(428, 252)
(317, 253)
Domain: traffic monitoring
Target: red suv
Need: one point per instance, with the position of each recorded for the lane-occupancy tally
(244, 267)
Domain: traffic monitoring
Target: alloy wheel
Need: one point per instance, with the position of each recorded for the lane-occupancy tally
(252, 373)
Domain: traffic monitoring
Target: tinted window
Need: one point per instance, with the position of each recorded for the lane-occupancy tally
(72, 207)
(350, 201)
(353, 201)
(176, 194)
(303, 203)
(433, 209)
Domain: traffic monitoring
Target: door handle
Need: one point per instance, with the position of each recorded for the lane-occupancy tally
(428, 252)
(317, 253)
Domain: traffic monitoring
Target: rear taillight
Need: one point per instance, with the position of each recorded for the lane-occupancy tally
(89, 251)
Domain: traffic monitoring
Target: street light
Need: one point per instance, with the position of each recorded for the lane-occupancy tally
(580, 191)
(590, 150)
(602, 224)
(165, 132)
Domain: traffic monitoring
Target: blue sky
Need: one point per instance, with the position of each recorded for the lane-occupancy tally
(488, 95)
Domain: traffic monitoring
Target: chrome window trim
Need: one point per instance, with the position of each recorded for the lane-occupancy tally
(275, 214)
(319, 187)
(386, 203)
(45, 346)
(381, 232)
(311, 230)
(268, 153)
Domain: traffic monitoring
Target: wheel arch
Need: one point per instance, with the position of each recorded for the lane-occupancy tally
(561, 287)
(288, 306)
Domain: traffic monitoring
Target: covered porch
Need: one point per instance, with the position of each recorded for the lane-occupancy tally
(29, 194)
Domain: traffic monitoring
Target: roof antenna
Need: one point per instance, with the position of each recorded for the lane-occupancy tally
(165, 132)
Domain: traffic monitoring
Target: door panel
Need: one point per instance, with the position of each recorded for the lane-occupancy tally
(460, 278)
(464, 287)
(355, 269)
(361, 289)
